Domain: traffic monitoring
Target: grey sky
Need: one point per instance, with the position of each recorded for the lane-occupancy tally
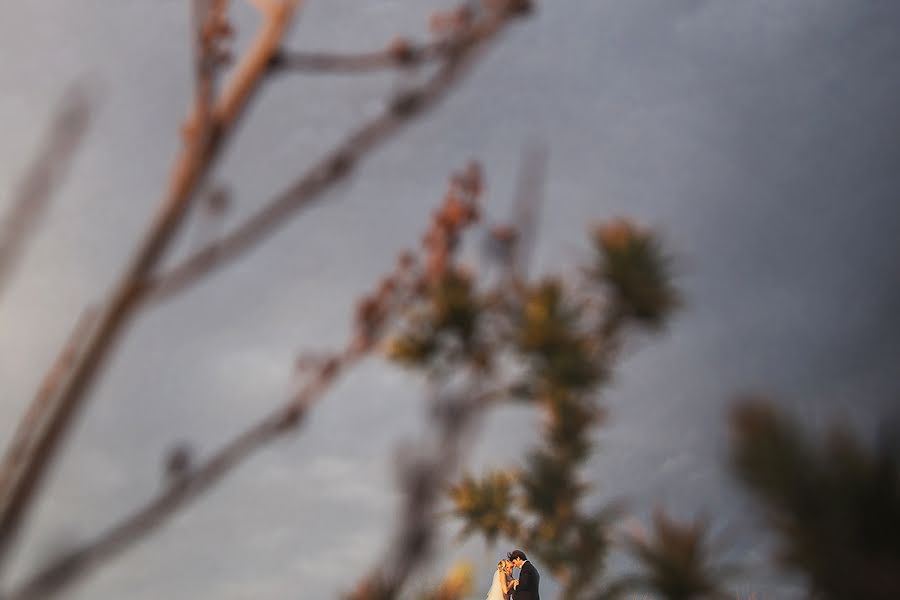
(761, 136)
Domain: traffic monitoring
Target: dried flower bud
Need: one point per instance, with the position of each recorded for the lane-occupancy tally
(437, 237)
(290, 417)
(406, 103)
(505, 234)
(340, 164)
(473, 178)
(421, 285)
(188, 129)
(306, 362)
(436, 265)
(178, 461)
(402, 51)
(224, 57)
(218, 201)
(223, 29)
(456, 213)
(367, 311)
(440, 23)
(520, 7)
(462, 17)
(406, 260)
(513, 7)
(330, 367)
(386, 287)
(617, 234)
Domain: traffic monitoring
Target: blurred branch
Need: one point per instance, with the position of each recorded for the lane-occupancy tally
(26, 432)
(527, 204)
(206, 132)
(209, 18)
(42, 179)
(79, 562)
(337, 164)
(833, 503)
(424, 483)
(189, 171)
(399, 54)
(510, 244)
(678, 561)
(373, 318)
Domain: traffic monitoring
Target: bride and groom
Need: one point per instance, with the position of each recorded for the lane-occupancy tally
(504, 587)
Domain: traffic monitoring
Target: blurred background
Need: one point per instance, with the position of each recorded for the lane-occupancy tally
(761, 138)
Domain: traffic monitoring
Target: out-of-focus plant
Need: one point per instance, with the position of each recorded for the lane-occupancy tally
(456, 585)
(834, 505)
(550, 343)
(480, 338)
(677, 562)
(228, 76)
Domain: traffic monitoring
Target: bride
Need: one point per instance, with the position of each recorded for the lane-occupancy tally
(503, 582)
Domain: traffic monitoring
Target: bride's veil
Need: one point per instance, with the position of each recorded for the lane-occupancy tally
(496, 591)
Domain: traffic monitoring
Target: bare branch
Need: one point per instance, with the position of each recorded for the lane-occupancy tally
(42, 179)
(192, 484)
(527, 204)
(510, 243)
(372, 319)
(207, 130)
(208, 20)
(336, 165)
(399, 54)
(188, 173)
(31, 423)
(424, 481)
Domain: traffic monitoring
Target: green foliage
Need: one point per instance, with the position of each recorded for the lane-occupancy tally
(483, 504)
(413, 348)
(835, 506)
(550, 338)
(444, 324)
(632, 263)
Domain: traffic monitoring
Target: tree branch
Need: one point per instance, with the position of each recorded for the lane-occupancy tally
(424, 481)
(372, 320)
(42, 179)
(335, 165)
(77, 563)
(188, 173)
(400, 54)
(23, 440)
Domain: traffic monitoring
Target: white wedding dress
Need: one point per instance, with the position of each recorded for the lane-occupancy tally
(496, 591)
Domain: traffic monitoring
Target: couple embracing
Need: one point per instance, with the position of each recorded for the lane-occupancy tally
(504, 587)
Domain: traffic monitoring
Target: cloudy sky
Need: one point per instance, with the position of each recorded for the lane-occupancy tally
(762, 137)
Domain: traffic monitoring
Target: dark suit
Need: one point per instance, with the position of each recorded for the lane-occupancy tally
(529, 582)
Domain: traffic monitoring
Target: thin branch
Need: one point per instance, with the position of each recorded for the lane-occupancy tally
(400, 54)
(527, 203)
(335, 165)
(278, 15)
(42, 179)
(25, 436)
(510, 244)
(455, 417)
(147, 519)
(188, 173)
(372, 321)
(208, 19)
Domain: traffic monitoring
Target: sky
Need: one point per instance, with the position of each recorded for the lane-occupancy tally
(760, 137)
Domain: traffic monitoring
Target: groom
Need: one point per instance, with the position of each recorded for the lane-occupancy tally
(529, 578)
